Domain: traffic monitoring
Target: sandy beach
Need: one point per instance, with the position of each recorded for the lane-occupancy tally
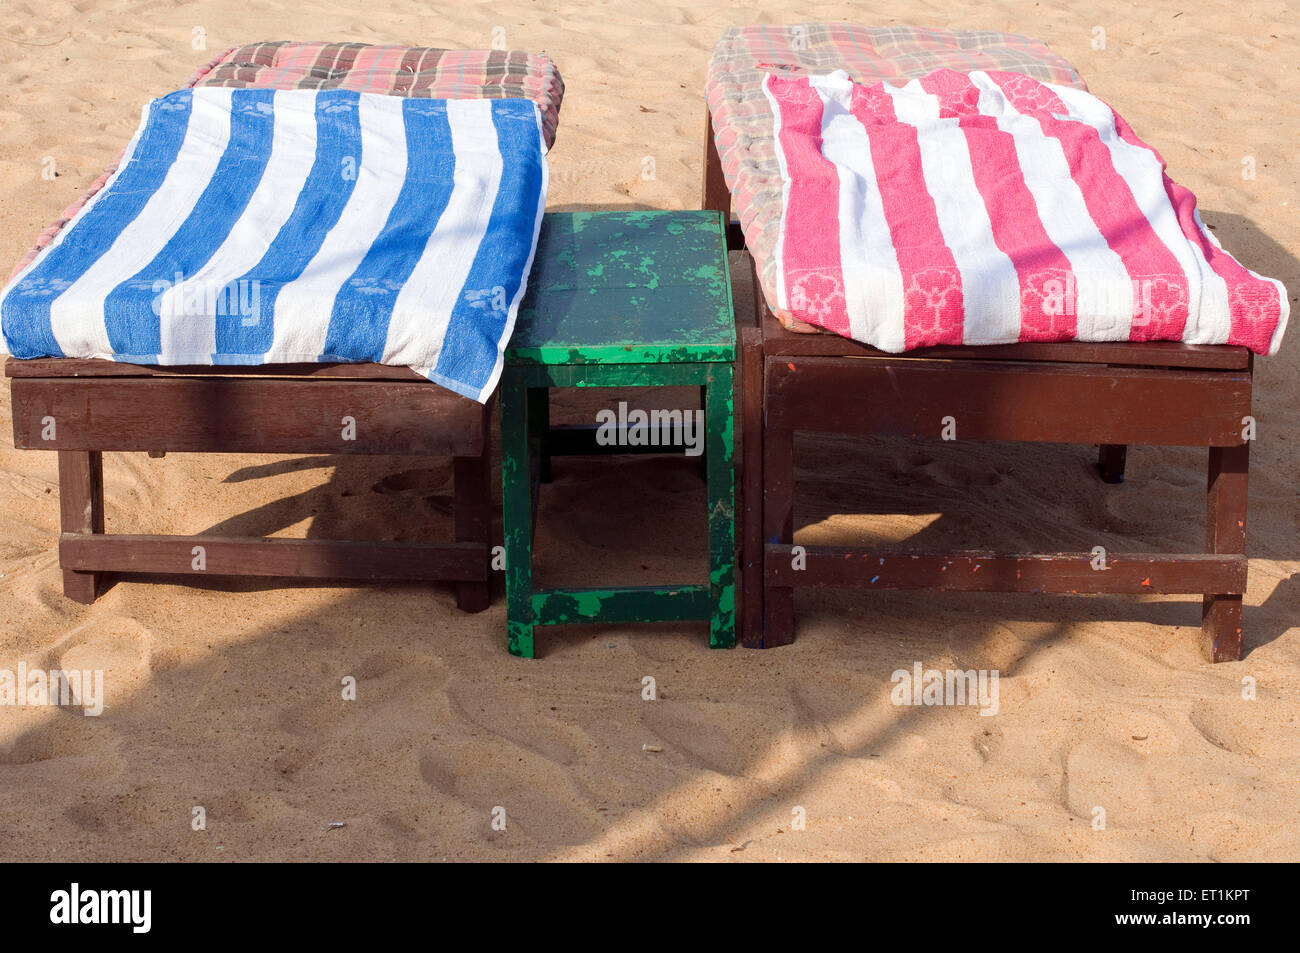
(226, 695)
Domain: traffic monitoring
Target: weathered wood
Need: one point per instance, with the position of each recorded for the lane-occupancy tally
(618, 375)
(980, 571)
(517, 508)
(620, 300)
(780, 342)
(472, 512)
(82, 407)
(81, 512)
(1107, 394)
(751, 537)
(1111, 458)
(298, 558)
(778, 528)
(244, 415)
(702, 461)
(1225, 533)
(720, 473)
(986, 400)
(521, 453)
(824, 382)
(624, 604)
(630, 287)
(714, 194)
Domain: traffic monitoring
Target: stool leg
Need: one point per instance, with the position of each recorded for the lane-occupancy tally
(719, 454)
(1225, 533)
(1110, 462)
(778, 527)
(539, 426)
(751, 471)
(472, 490)
(81, 511)
(516, 514)
(702, 464)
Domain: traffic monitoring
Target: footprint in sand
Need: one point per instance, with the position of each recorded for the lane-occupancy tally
(986, 645)
(147, 809)
(382, 675)
(438, 770)
(414, 482)
(1107, 774)
(698, 731)
(319, 715)
(952, 473)
(228, 807)
(540, 799)
(399, 663)
(164, 660)
(420, 484)
(1263, 728)
(1138, 506)
(117, 640)
(120, 649)
(810, 714)
(541, 818)
(50, 734)
(521, 724)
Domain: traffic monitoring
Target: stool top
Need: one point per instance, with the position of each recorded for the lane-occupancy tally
(627, 288)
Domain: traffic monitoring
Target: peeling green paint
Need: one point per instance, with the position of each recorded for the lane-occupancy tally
(621, 299)
(631, 604)
(603, 280)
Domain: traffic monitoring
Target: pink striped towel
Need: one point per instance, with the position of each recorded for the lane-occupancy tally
(989, 208)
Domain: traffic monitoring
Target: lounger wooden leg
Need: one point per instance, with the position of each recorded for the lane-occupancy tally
(1225, 533)
(1110, 462)
(751, 532)
(778, 527)
(473, 514)
(714, 194)
(81, 511)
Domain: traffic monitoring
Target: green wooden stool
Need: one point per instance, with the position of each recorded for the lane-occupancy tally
(619, 299)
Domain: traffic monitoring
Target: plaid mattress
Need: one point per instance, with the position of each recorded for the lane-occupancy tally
(742, 119)
(397, 70)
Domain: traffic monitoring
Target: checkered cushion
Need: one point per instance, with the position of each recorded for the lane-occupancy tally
(395, 70)
(742, 119)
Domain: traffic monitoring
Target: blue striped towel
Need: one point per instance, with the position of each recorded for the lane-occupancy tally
(259, 226)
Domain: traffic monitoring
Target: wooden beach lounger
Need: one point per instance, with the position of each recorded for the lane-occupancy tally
(99, 406)
(1051, 392)
(82, 408)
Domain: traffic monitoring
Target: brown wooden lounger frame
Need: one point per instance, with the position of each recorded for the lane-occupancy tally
(81, 408)
(1188, 395)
